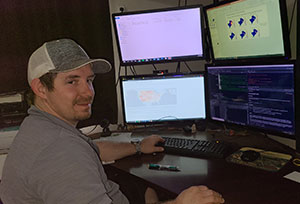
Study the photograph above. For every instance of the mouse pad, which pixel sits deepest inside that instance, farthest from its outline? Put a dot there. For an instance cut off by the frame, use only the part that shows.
(270, 161)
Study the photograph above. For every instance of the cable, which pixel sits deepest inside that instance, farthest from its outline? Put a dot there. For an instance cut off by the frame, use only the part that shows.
(296, 162)
(167, 117)
(188, 66)
(292, 17)
(89, 132)
(119, 74)
(154, 67)
(178, 68)
(131, 70)
(134, 70)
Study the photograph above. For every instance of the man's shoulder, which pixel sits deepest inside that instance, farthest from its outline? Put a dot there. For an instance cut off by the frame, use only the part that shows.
(42, 130)
(40, 126)
(37, 134)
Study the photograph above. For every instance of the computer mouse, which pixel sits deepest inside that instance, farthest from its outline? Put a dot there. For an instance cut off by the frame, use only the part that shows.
(250, 155)
(160, 144)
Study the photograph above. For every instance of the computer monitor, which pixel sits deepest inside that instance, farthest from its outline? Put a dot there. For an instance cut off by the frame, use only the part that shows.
(259, 96)
(161, 35)
(163, 98)
(244, 29)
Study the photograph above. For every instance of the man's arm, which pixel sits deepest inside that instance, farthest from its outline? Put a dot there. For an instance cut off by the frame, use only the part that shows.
(110, 151)
(198, 195)
(195, 195)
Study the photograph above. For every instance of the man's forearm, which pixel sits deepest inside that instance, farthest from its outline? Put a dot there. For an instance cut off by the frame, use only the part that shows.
(110, 151)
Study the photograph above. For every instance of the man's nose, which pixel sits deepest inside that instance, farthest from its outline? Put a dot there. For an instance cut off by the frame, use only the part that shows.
(87, 89)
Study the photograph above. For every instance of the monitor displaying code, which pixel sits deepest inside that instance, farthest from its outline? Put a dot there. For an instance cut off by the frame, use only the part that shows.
(261, 96)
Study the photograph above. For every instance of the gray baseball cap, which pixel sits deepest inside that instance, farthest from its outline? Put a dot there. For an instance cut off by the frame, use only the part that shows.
(62, 55)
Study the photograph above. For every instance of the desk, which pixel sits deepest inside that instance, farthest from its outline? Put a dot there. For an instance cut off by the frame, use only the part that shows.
(238, 184)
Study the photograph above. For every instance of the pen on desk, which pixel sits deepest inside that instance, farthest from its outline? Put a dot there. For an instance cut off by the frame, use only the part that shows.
(163, 167)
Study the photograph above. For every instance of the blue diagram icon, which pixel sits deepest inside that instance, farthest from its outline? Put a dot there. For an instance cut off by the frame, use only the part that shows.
(252, 19)
(241, 21)
(230, 24)
(243, 34)
(232, 36)
(254, 32)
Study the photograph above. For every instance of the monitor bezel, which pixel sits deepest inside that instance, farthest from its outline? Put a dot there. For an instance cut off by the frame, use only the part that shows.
(285, 35)
(163, 122)
(249, 127)
(177, 59)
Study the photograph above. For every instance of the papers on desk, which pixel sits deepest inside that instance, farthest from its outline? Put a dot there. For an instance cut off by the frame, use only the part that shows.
(2, 160)
(268, 160)
(294, 176)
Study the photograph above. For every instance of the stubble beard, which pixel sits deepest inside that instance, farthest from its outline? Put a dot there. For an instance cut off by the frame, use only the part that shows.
(85, 114)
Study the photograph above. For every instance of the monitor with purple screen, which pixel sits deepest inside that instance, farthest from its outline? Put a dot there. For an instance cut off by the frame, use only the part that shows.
(260, 96)
(156, 36)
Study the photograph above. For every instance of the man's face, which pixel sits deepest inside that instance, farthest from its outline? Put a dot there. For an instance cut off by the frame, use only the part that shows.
(72, 96)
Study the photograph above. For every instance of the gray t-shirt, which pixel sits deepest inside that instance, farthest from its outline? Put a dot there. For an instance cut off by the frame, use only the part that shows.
(52, 162)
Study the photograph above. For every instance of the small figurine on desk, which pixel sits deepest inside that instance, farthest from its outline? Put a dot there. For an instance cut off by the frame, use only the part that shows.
(190, 129)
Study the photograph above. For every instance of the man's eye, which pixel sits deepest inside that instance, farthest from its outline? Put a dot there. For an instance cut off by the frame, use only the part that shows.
(71, 82)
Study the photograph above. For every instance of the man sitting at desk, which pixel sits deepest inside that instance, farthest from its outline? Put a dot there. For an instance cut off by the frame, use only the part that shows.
(50, 161)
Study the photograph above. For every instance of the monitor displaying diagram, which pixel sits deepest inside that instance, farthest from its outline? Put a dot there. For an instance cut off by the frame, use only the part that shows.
(247, 29)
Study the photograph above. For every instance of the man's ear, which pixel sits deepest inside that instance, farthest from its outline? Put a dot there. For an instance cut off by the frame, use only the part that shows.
(38, 88)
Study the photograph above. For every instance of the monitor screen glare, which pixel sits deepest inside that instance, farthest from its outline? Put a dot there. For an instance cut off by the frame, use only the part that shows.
(260, 96)
(247, 29)
(154, 99)
(159, 36)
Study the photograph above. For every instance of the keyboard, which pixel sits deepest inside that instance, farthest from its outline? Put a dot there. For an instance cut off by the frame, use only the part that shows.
(195, 148)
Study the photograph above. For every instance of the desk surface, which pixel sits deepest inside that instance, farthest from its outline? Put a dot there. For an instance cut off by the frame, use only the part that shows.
(238, 184)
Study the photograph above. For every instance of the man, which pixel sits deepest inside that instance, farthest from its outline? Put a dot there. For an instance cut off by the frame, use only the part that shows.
(50, 161)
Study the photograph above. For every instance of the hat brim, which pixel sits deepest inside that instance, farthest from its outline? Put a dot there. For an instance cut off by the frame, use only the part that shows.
(99, 66)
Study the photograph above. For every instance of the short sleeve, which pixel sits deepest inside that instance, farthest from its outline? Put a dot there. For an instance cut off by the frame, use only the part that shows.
(71, 172)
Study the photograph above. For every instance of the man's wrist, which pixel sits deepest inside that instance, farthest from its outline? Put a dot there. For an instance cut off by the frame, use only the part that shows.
(137, 144)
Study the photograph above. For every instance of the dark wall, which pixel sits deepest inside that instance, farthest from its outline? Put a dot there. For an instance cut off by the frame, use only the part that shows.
(298, 31)
(26, 25)
(298, 76)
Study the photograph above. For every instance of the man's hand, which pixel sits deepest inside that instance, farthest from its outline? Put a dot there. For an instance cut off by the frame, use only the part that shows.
(198, 195)
(148, 144)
